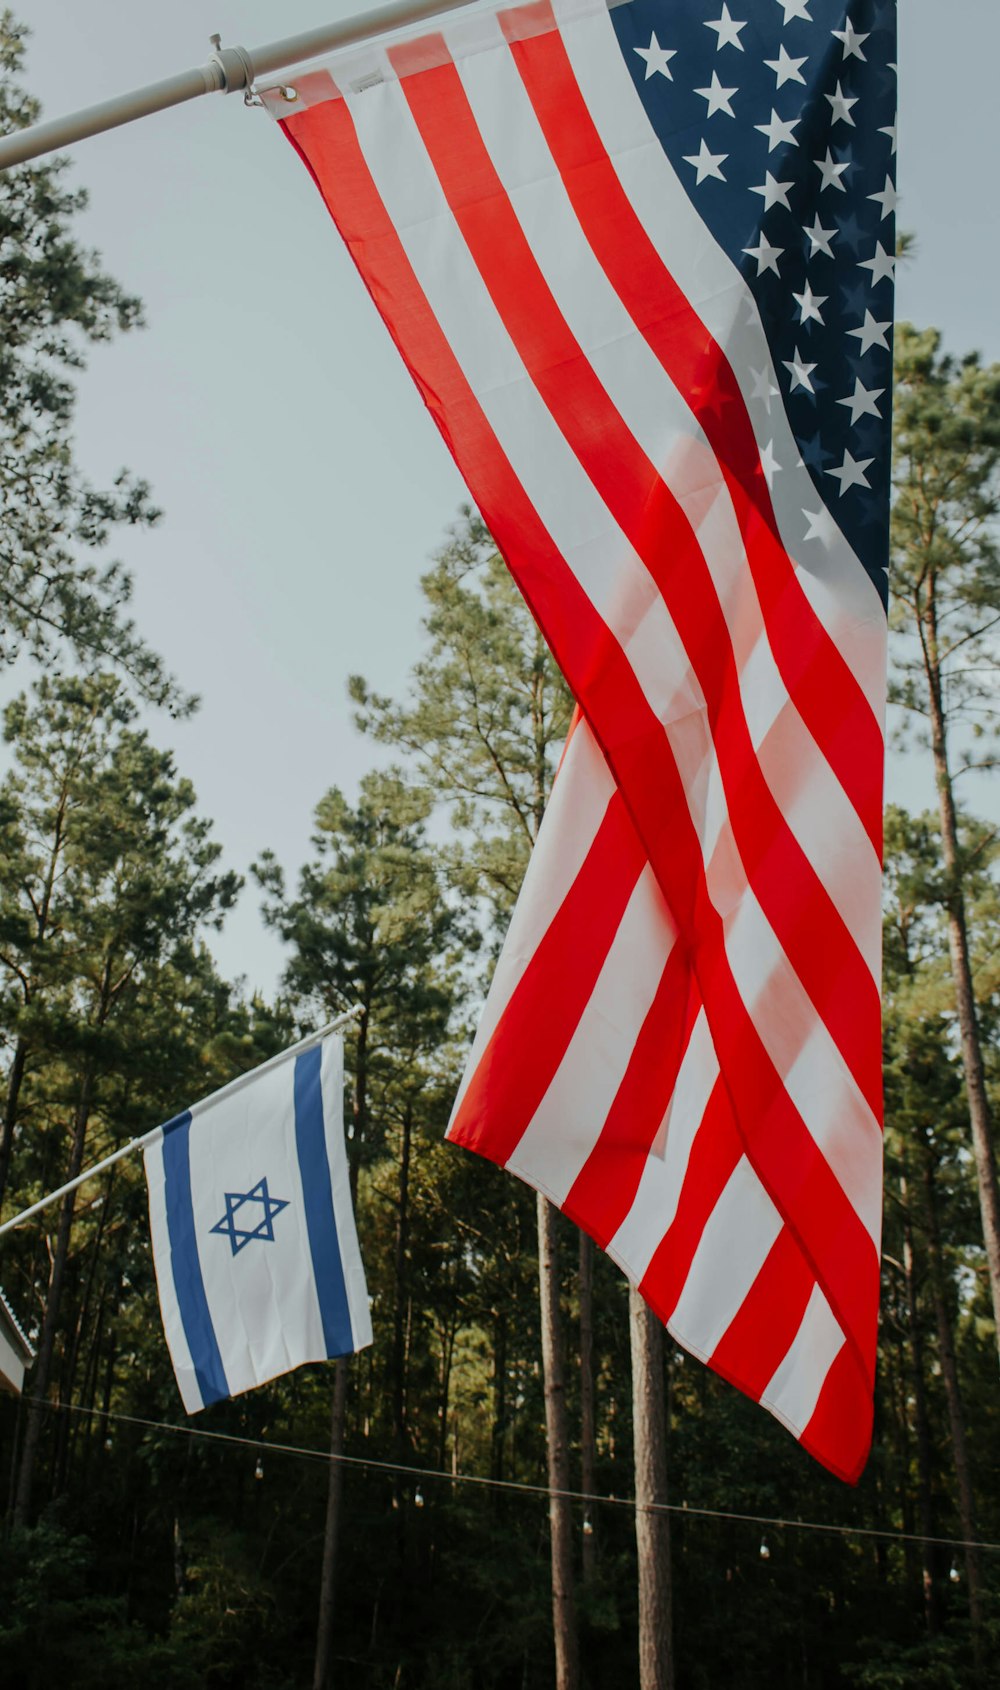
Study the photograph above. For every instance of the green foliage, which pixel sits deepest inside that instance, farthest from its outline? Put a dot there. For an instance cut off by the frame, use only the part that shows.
(57, 1626)
(108, 878)
(174, 1560)
(937, 1663)
(487, 714)
(55, 300)
(945, 557)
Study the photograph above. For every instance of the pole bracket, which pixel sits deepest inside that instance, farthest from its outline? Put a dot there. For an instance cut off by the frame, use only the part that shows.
(237, 70)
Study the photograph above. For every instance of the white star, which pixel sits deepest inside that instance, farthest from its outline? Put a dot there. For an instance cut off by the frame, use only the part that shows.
(765, 254)
(831, 172)
(786, 69)
(778, 132)
(657, 59)
(890, 130)
(871, 333)
(769, 464)
(821, 526)
(795, 9)
(842, 104)
(882, 265)
(763, 388)
(727, 31)
(852, 48)
(799, 371)
(717, 97)
(862, 401)
(775, 193)
(706, 163)
(887, 199)
(852, 473)
(809, 305)
(820, 238)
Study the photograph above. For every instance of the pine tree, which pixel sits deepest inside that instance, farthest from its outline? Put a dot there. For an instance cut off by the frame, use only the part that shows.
(946, 585)
(370, 927)
(55, 300)
(486, 719)
(106, 836)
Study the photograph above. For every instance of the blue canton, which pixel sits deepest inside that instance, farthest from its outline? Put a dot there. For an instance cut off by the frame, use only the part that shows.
(779, 119)
(257, 1221)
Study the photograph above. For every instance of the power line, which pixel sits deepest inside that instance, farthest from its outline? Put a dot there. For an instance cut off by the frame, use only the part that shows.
(427, 1474)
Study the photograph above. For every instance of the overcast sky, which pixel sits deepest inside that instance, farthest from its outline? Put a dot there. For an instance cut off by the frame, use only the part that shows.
(303, 483)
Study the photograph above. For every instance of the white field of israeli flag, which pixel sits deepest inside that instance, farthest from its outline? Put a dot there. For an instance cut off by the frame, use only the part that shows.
(254, 1241)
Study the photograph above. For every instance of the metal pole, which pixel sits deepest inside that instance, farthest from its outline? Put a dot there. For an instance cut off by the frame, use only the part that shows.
(229, 70)
(140, 1143)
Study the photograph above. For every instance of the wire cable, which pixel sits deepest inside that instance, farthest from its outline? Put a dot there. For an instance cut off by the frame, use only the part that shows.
(263, 1446)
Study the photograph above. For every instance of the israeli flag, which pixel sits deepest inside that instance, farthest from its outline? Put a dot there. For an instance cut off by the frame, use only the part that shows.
(253, 1233)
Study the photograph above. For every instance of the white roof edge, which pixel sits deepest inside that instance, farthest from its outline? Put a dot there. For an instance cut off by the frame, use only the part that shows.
(10, 1319)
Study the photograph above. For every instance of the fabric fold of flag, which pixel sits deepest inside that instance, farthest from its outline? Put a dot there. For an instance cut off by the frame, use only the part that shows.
(638, 260)
(254, 1241)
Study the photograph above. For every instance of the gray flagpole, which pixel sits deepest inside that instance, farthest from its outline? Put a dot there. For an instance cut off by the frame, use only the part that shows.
(140, 1143)
(230, 70)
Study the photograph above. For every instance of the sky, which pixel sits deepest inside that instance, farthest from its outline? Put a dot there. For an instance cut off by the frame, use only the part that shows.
(303, 483)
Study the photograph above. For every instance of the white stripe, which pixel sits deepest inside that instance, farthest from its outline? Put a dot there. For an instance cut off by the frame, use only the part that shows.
(159, 1232)
(613, 577)
(655, 1203)
(817, 811)
(550, 474)
(738, 1237)
(831, 576)
(566, 1126)
(592, 543)
(573, 816)
(793, 1392)
(262, 1300)
(814, 1072)
(332, 1087)
(835, 582)
(667, 432)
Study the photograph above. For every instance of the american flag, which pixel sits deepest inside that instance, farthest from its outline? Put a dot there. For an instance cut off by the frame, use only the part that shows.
(639, 261)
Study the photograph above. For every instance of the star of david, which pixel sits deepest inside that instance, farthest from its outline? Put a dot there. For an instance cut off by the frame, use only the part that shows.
(241, 1235)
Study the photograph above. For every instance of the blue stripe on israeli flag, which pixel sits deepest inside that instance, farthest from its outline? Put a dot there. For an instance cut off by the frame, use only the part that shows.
(253, 1232)
(188, 1285)
(314, 1164)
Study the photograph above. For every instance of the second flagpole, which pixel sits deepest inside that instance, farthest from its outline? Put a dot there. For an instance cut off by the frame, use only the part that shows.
(147, 1138)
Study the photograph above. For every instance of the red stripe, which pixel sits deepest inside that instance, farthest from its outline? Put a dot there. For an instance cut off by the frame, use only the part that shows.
(757, 1340)
(632, 739)
(797, 904)
(716, 1150)
(840, 1431)
(818, 679)
(517, 1067)
(604, 1190)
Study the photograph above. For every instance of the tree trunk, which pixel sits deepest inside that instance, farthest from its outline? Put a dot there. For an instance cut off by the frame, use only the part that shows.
(587, 1432)
(331, 1532)
(46, 1344)
(961, 969)
(338, 1415)
(444, 1402)
(499, 1429)
(953, 1397)
(652, 1528)
(560, 1512)
(924, 1458)
(399, 1266)
(15, 1079)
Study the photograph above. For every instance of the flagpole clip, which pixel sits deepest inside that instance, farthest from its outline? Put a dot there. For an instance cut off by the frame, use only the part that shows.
(236, 67)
